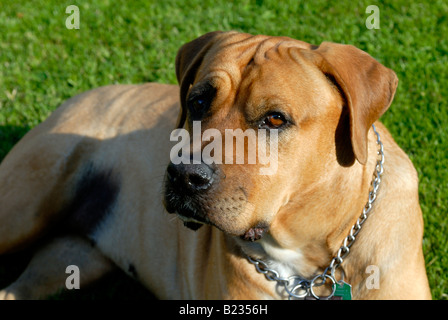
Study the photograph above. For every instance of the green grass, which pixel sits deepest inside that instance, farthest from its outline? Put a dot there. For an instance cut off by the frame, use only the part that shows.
(42, 63)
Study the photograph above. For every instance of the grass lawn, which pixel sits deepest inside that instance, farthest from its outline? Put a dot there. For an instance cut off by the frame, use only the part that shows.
(42, 63)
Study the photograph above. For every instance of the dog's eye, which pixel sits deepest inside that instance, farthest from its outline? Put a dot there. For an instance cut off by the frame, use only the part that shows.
(274, 120)
(200, 100)
(198, 104)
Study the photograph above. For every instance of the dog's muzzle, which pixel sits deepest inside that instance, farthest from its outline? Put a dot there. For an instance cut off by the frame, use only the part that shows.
(187, 187)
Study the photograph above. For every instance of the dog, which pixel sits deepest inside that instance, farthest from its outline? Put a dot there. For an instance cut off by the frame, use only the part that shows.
(93, 185)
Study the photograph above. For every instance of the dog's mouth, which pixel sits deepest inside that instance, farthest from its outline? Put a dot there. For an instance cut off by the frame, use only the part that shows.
(201, 208)
(193, 219)
(252, 234)
(185, 210)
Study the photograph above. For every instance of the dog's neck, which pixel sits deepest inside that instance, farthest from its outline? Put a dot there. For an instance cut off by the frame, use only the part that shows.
(310, 228)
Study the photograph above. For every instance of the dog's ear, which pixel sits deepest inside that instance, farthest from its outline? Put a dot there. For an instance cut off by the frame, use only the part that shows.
(367, 86)
(188, 60)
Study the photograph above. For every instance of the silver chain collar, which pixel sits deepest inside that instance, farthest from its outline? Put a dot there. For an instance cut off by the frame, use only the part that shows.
(297, 287)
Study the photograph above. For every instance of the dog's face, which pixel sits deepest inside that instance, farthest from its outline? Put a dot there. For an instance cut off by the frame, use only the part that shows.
(301, 95)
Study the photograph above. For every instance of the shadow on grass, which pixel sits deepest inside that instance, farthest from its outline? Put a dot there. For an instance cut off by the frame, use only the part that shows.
(11, 265)
(9, 136)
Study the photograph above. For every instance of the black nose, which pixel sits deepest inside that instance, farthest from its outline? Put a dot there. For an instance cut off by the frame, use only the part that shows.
(193, 177)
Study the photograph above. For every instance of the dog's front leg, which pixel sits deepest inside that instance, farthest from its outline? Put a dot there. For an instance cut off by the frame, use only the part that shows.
(56, 266)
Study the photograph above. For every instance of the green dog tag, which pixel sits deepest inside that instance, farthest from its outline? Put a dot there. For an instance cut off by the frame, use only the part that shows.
(343, 290)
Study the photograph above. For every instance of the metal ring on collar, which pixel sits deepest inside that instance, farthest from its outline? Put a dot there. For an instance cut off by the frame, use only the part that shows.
(302, 285)
(323, 277)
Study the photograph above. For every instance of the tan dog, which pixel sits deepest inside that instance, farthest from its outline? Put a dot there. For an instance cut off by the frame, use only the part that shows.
(88, 183)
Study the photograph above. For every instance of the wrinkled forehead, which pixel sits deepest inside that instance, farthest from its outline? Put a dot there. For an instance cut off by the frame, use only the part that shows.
(230, 55)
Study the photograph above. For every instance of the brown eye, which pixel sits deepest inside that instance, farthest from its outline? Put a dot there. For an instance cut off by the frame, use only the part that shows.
(274, 120)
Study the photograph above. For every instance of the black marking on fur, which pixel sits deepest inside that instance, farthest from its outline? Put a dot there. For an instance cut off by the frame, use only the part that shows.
(95, 196)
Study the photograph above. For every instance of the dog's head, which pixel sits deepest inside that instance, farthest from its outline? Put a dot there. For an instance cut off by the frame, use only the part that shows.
(320, 101)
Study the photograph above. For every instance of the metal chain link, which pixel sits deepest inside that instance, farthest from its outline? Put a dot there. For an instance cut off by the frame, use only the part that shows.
(297, 287)
(291, 284)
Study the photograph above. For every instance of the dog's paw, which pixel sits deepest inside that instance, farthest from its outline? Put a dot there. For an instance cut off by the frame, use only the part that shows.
(6, 295)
